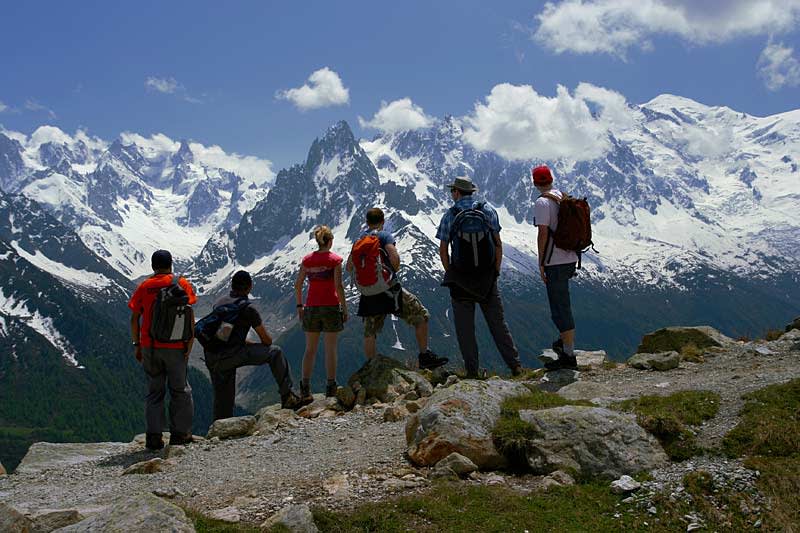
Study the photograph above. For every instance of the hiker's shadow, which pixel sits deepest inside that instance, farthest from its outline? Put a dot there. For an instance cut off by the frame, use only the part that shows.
(125, 460)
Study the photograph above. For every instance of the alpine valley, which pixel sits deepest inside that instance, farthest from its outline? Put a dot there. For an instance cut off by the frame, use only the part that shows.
(695, 218)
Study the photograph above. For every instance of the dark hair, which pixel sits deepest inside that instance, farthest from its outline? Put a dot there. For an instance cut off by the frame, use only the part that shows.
(241, 281)
(374, 216)
(161, 260)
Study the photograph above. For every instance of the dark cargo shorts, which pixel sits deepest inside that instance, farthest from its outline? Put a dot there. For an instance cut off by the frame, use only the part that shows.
(412, 312)
(558, 277)
(326, 319)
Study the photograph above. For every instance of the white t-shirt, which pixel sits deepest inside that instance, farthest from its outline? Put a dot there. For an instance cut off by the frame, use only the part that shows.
(545, 212)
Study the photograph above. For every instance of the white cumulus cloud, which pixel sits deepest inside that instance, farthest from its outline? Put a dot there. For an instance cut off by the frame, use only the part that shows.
(614, 26)
(324, 89)
(779, 67)
(36, 107)
(399, 115)
(162, 85)
(520, 124)
(247, 166)
(3, 107)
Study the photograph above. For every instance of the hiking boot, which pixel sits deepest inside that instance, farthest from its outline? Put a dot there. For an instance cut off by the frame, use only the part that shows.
(330, 389)
(517, 370)
(180, 439)
(564, 361)
(305, 393)
(154, 442)
(291, 401)
(429, 360)
(480, 374)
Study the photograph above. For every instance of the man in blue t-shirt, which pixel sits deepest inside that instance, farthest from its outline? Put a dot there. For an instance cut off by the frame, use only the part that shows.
(396, 300)
(468, 289)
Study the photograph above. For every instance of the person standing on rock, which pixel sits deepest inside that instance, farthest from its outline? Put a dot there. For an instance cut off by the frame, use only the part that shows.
(223, 357)
(374, 263)
(556, 267)
(472, 253)
(325, 310)
(164, 361)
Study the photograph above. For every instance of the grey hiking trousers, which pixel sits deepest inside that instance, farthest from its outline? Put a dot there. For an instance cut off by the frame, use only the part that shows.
(464, 318)
(167, 368)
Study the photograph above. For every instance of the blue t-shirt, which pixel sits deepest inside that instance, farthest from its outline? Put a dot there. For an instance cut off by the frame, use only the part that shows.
(443, 233)
(384, 237)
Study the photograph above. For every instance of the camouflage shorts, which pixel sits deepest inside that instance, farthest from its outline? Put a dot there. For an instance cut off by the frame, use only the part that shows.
(412, 312)
(324, 318)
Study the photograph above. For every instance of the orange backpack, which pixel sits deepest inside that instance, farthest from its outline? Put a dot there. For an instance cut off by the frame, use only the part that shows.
(372, 273)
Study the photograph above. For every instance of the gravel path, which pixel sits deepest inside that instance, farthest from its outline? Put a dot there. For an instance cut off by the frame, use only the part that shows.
(340, 462)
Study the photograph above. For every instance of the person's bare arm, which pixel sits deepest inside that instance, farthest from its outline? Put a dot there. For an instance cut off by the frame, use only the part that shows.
(337, 278)
(444, 255)
(263, 335)
(498, 251)
(394, 257)
(541, 242)
(135, 334)
(298, 291)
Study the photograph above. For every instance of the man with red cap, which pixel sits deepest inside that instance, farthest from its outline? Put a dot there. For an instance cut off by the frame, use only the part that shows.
(556, 267)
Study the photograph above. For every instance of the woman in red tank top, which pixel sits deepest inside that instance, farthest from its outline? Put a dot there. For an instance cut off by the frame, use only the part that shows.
(325, 310)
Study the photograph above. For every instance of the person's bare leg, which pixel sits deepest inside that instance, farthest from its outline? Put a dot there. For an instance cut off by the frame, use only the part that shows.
(421, 332)
(312, 341)
(568, 338)
(330, 355)
(370, 347)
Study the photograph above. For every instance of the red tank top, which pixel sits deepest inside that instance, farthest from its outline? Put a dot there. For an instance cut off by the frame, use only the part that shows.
(319, 267)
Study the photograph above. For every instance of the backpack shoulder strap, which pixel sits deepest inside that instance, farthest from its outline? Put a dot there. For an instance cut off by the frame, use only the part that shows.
(553, 197)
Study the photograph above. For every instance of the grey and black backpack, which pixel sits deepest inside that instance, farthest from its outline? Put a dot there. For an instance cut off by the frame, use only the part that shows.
(173, 317)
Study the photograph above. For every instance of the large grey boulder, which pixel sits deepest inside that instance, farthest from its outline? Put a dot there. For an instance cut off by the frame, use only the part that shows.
(655, 361)
(269, 419)
(232, 428)
(53, 519)
(460, 419)
(386, 379)
(680, 337)
(295, 518)
(12, 521)
(43, 456)
(589, 390)
(143, 512)
(591, 441)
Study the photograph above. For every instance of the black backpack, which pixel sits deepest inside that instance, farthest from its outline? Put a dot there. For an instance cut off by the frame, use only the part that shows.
(172, 316)
(472, 241)
(215, 328)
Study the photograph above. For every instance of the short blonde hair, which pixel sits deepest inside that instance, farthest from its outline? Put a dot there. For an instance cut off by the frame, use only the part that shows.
(323, 235)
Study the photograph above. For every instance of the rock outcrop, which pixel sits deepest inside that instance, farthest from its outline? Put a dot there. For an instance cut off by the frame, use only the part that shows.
(676, 339)
(460, 419)
(591, 441)
(385, 379)
(794, 324)
(294, 518)
(12, 521)
(43, 456)
(143, 512)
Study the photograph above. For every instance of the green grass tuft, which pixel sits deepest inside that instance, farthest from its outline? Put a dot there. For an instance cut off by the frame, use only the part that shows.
(666, 418)
(698, 483)
(204, 524)
(770, 423)
(666, 340)
(773, 334)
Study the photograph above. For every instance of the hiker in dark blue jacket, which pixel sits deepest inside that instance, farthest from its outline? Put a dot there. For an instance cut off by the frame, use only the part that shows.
(223, 358)
(471, 273)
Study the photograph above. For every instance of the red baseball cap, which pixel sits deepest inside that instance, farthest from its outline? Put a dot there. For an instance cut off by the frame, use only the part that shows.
(541, 175)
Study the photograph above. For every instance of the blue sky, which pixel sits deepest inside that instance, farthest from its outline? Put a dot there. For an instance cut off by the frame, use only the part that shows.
(220, 65)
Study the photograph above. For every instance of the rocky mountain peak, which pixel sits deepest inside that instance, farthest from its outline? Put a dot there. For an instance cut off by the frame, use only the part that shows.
(184, 154)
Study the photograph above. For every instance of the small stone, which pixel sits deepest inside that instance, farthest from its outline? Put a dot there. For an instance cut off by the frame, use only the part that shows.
(757, 524)
(413, 406)
(652, 510)
(346, 396)
(443, 472)
(451, 380)
(51, 519)
(231, 515)
(337, 486)
(655, 361)
(169, 493)
(411, 396)
(394, 414)
(629, 499)
(495, 479)
(295, 518)
(694, 526)
(232, 428)
(625, 485)
(562, 478)
(459, 464)
(146, 467)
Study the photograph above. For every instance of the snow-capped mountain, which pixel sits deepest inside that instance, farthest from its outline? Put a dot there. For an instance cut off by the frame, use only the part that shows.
(133, 195)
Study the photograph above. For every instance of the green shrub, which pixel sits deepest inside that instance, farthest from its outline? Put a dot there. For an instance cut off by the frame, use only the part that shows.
(666, 418)
(770, 423)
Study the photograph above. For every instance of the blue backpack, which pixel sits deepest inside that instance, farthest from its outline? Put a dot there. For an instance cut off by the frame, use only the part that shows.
(472, 241)
(215, 328)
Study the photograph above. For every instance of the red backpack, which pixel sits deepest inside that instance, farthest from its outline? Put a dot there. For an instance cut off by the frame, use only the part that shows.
(372, 273)
(574, 230)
